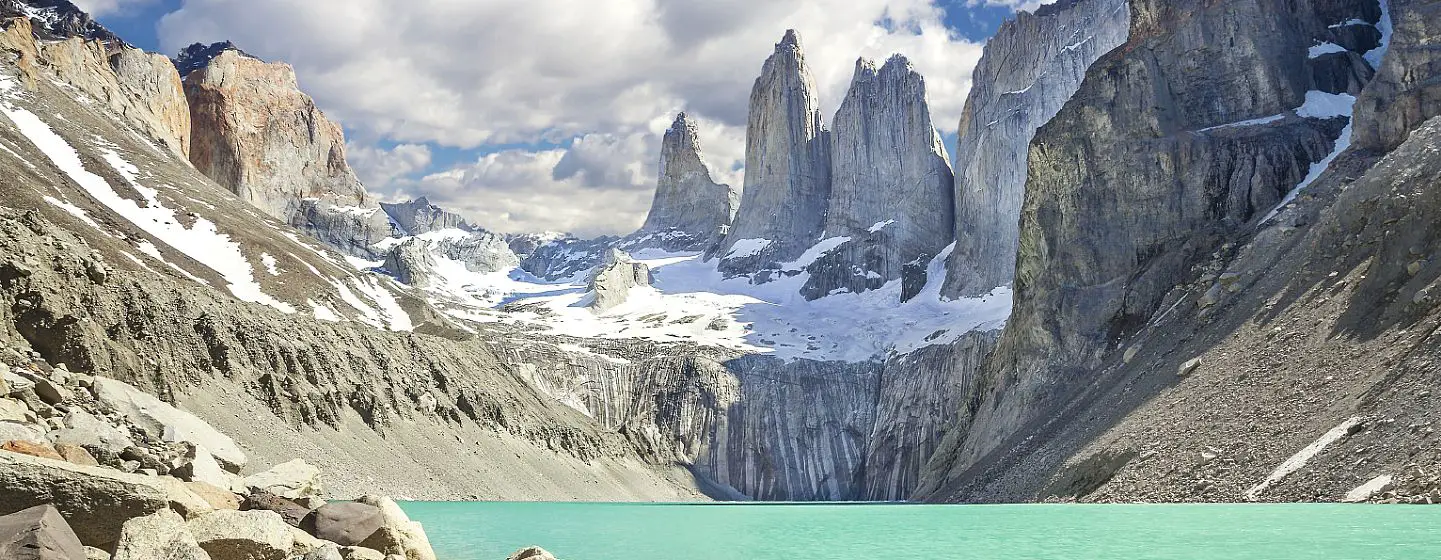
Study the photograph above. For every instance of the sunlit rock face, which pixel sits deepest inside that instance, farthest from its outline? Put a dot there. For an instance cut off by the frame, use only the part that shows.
(257, 134)
(1030, 68)
(891, 191)
(690, 212)
(787, 175)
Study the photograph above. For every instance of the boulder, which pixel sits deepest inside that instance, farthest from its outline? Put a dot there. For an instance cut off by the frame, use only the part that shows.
(162, 535)
(305, 543)
(92, 553)
(532, 553)
(38, 533)
(76, 454)
(293, 480)
(85, 429)
(398, 535)
(12, 410)
(201, 466)
(347, 523)
(218, 498)
(293, 514)
(243, 535)
(33, 449)
(360, 553)
(15, 383)
(95, 500)
(167, 422)
(18, 431)
(51, 392)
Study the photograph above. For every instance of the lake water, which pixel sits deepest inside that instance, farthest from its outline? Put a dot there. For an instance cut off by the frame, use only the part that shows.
(587, 531)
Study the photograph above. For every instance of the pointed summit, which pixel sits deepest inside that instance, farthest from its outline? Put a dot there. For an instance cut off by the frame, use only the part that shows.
(690, 210)
(892, 182)
(787, 167)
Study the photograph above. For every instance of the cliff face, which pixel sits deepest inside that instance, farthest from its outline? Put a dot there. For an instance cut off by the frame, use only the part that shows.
(891, 193)
(257, 134)
(138, 87)
(1172, 274)
(420, 216)
(787, 175)
(690, 211)
(1031, 67)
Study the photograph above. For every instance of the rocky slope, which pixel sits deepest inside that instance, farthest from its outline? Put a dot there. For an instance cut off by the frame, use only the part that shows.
(130, 264)
(690, 212)
(1030, 68)
(787, 173)
(1226, 337)
(891, 197)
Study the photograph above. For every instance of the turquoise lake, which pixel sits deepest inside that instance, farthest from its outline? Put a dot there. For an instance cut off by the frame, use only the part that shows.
(589, 531)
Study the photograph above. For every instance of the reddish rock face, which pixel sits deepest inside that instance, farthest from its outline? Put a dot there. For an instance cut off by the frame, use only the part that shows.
(32, 449)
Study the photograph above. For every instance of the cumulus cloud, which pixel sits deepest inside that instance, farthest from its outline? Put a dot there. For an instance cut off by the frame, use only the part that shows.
(603, 78)
(380, 168)
(98, 8)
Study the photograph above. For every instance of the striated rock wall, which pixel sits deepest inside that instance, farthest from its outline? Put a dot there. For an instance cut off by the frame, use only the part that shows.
(1030, 68)
(1405, 92)
(258, 135)
(891, 191)
(420, 216)
(787, 180)
(1175, 147)
(690, 211)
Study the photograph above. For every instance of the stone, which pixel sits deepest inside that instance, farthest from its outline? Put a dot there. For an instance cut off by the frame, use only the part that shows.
(218, 498)
(360, 553)
(532, 553)
(255, 133)
(787, 170)
(201, 466)
(50, 392)
(92, 553)
(16, 383)
(327, 551)
(292, 480)
(892, 186)
(1029, 69)
(33, 449)
(162, 535)
(610, 285)
(347, 523)
(305, 543)
(419, 216)
(76, 454)
(398, 535)
(690, 211)
(1189, 367)
(21, 431)
(38, 533)
(167, 422)
(95, 500)
(294, 514)
(85, 429)
(243, 535)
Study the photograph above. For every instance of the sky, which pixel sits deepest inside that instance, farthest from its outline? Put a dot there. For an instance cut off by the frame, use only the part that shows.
(547, 115)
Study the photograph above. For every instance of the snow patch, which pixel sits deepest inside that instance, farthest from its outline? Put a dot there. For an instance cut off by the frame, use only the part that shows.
(270, 264)
(324, 312)
(747, 248)
(880, 226)
(1384, 25)
(1323, 49)
(201, 243)
(1299, 460)
(816, 252)
(1322, 105)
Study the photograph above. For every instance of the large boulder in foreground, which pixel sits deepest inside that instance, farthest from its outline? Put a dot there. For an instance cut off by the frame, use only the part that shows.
(347, 523)
(159, 536)
(38, 533)
(95, 500)
(293, 480)
(167, 422)
(243, 535)
(398, 535)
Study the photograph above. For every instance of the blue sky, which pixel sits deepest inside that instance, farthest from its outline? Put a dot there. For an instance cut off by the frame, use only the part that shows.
(479, 122)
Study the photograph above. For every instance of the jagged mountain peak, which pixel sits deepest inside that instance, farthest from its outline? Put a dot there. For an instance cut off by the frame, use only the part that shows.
(58, 20)
(198, 55)
(790, 42)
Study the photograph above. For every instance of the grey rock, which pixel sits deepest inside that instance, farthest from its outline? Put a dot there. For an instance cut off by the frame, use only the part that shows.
(690, 211)
(162, 535)
(420, 216)
(85, 429)
(167, 422)
(559, 258)
(891, 190)
(532, 553)
(347, 523)
(292, 513)
(1404, 93)
(610, 284)
(38, 533)
(1029, 69)
(292, 480)
(398, 535)
(22, 431)
(787, 173)
(243, 535)
(352, 230)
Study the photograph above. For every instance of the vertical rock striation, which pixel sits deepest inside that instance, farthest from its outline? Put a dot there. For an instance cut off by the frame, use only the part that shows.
(1030, 68)
(787, 175)
(1174, 144)
(891, 192)
(690, 211)
(257, 134)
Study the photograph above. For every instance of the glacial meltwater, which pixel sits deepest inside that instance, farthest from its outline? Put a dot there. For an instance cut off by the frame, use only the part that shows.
(604, 531)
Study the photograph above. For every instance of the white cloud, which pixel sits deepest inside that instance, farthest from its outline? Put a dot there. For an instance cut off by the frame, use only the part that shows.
(379, 168)
(98, 8)
(495, 72)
